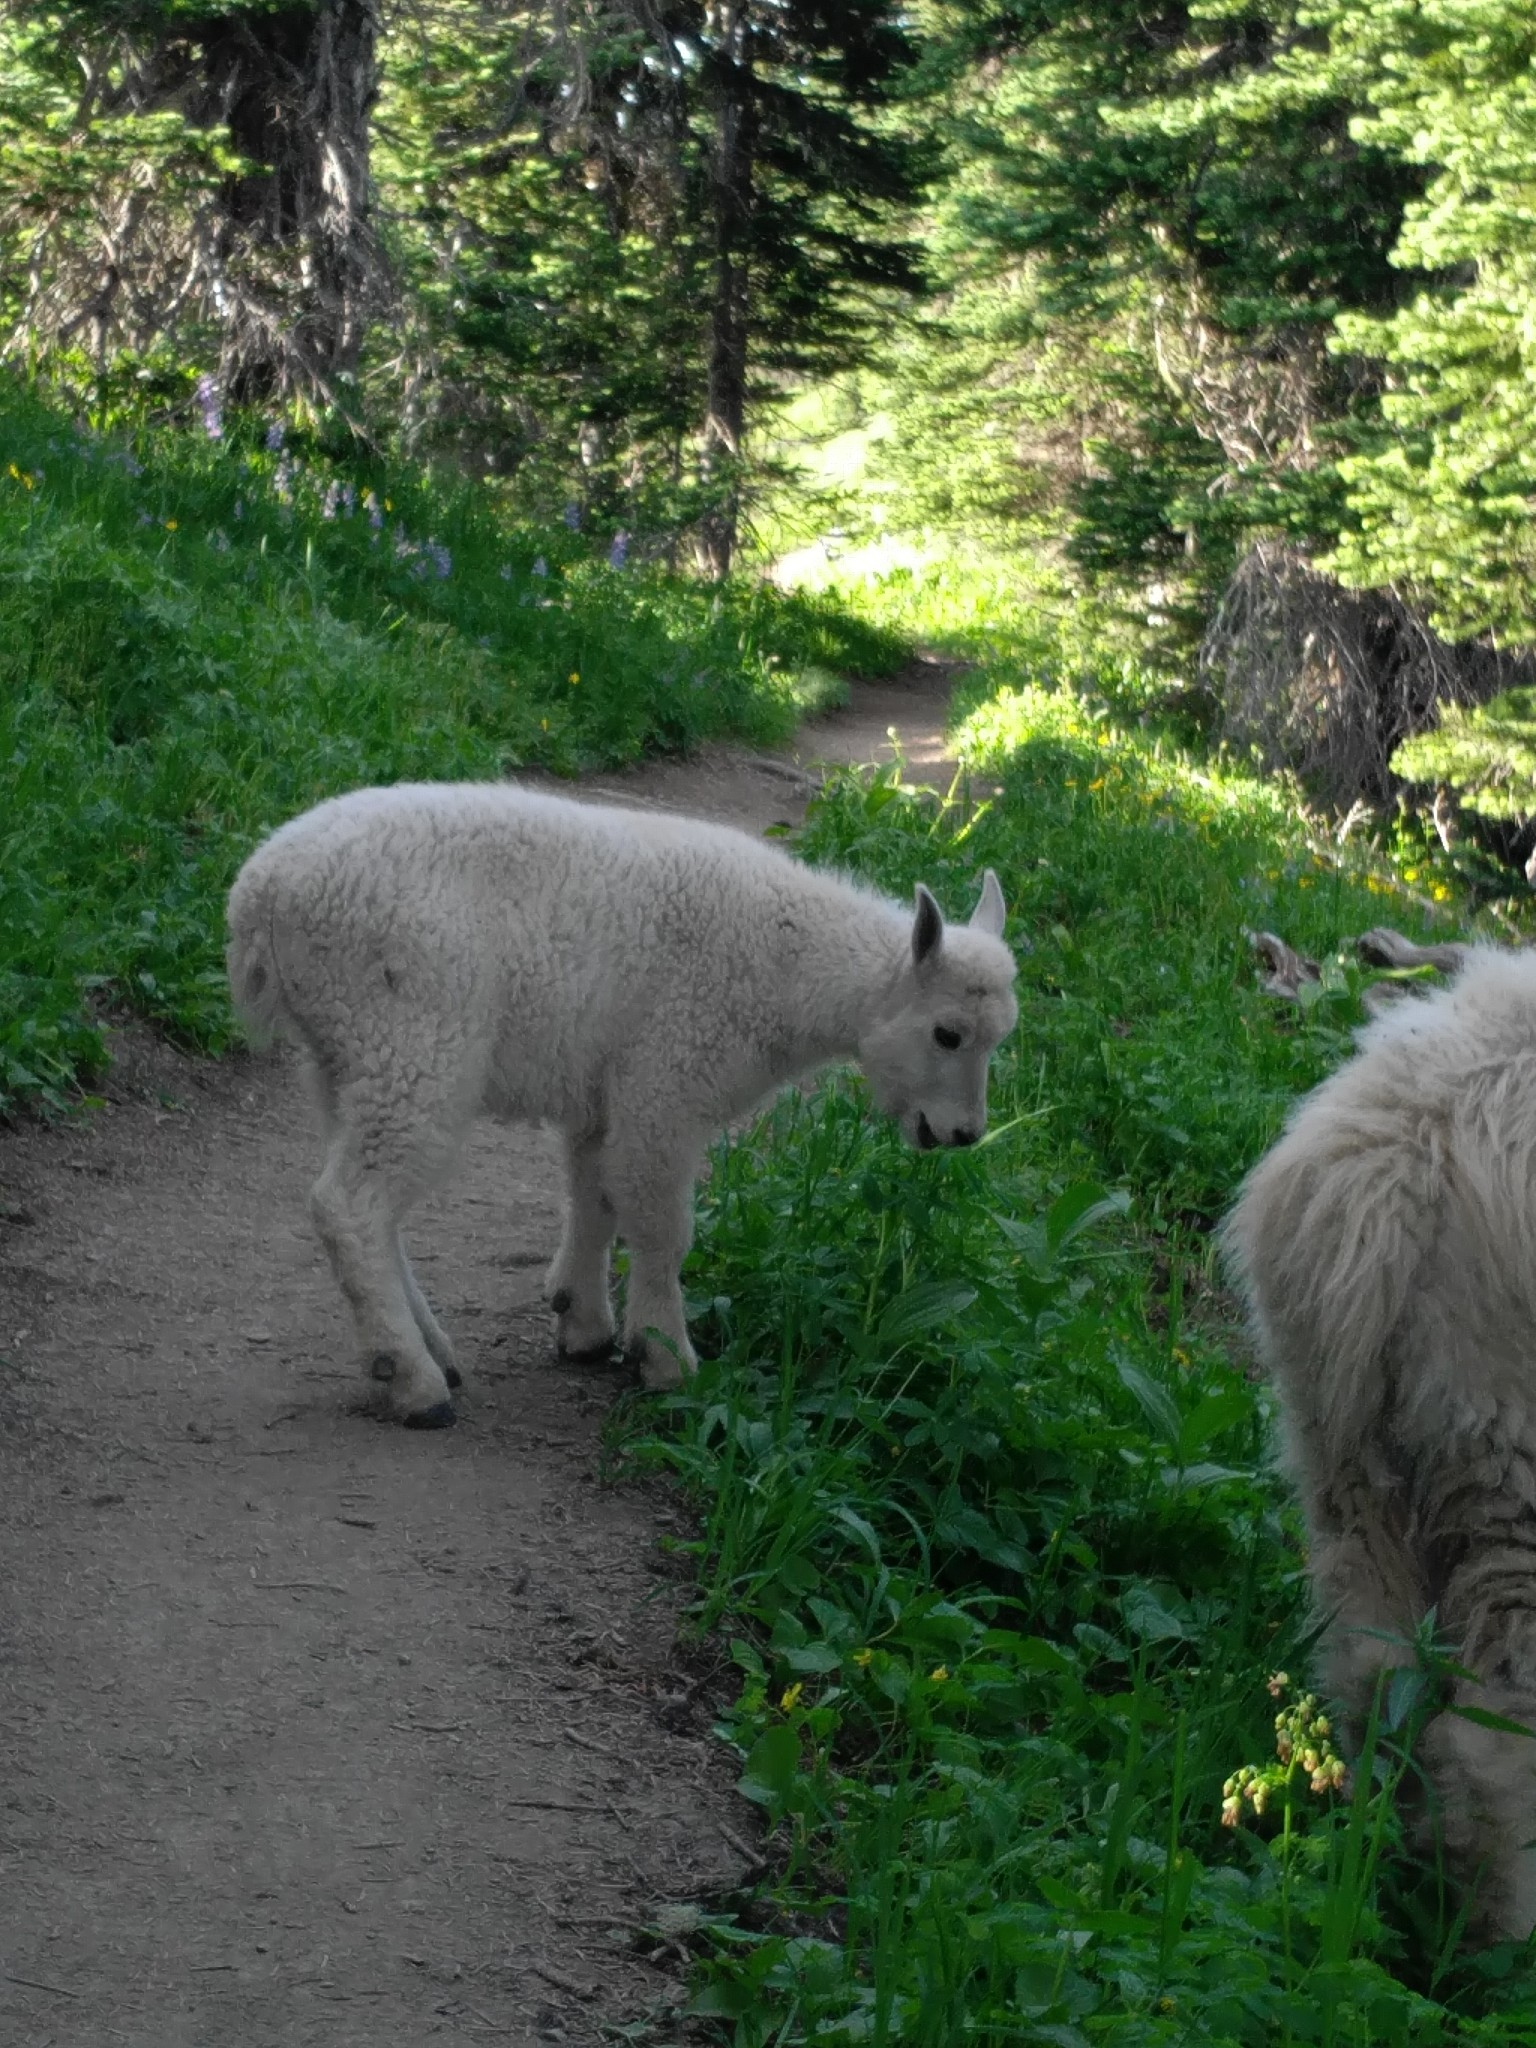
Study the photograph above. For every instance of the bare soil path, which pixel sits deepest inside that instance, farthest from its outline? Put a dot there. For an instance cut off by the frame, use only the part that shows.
(312, 1729)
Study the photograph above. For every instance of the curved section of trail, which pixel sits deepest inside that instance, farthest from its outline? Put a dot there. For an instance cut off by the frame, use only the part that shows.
(312, 1729)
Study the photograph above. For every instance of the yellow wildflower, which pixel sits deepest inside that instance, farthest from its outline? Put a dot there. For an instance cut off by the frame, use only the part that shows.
(171, 525)
(939, 1673)
(576, 678)
(862, 1658)
(791, 1698)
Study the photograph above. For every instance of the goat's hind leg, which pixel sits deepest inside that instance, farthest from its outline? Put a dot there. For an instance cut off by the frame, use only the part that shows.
(578, 1279)
(653, 1196)
(1485, 1778)
(433, 1335)
(377, 1166)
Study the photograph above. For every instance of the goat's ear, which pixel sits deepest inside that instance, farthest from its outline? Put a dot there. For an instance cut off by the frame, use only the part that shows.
(991, 911)
(927, 928)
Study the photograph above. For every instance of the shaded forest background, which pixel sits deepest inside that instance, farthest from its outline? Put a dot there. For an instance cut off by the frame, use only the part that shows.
(1216, 319)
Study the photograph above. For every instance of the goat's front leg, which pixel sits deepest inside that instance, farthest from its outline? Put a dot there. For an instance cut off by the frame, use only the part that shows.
(578, 1279)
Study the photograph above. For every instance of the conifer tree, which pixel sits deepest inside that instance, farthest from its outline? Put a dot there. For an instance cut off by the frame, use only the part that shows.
(1440, 499)
(167, 167)
(1174, 206)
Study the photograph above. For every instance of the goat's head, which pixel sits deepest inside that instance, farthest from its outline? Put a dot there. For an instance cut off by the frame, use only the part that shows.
(927, 1053)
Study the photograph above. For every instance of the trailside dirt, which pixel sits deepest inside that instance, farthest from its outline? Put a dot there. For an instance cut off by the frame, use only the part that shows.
(314, 1729)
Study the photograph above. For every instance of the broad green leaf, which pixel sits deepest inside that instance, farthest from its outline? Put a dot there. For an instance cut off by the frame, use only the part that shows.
(768, 1776)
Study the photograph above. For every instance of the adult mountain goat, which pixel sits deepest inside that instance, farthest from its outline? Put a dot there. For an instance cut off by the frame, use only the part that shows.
(1387, 1246)
(444, 950)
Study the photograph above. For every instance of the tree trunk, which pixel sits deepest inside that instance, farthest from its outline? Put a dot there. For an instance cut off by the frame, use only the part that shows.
(732, 186)
(295, 88)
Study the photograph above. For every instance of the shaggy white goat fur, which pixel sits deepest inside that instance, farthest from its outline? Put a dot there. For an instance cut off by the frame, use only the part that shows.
(1387, 1246)
(637, 979)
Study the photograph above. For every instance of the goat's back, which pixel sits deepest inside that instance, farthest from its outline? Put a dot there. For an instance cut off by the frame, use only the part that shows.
(1386, 1243)
(544, 936)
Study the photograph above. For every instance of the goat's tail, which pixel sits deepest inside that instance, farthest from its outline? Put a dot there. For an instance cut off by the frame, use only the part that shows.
(255, 978)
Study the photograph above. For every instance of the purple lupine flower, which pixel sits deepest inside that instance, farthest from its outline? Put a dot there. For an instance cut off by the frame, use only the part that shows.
(374, 510)
(505, 572)
(209, 406)
(442, 561)
(239, 508)
(404, 545)
(348, 500)
(282, 478)
(331, 499)
(618, 551)
(572, 517)
(540, 566)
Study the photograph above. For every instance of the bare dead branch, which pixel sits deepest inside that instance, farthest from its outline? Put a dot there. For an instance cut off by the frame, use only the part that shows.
(1383, 947)
(1327, 681)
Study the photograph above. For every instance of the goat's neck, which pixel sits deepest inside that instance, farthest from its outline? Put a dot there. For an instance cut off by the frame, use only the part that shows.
(852, 964)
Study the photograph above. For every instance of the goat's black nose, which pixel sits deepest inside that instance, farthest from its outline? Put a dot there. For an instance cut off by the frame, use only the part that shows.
(965, 1136)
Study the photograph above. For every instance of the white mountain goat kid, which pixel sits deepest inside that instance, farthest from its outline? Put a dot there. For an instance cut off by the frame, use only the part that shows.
(440, 951)
(1387, 1246)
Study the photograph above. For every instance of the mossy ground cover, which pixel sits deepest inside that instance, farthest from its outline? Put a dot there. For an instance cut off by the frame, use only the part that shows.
(202, 634)
(987, 1509)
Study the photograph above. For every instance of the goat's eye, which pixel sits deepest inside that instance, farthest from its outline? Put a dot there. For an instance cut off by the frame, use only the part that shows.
(942, 1035)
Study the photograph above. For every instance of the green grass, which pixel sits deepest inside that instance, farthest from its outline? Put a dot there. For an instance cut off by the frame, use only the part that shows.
(200, 638)
(984, 1487)
(985, 1503)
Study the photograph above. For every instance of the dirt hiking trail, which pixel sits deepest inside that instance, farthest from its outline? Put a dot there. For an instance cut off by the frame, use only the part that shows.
(314, 1729)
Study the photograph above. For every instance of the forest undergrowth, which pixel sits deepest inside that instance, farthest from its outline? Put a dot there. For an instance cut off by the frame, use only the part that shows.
(986, 1504)
(203, 633)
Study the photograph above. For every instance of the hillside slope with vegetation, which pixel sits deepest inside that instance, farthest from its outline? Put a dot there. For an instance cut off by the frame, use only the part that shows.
(202, 634)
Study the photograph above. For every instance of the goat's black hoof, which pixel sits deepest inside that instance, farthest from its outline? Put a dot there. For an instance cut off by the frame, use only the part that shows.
(439, 1416)
(453, 1376)
(587, 1354)
(560, 1300)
